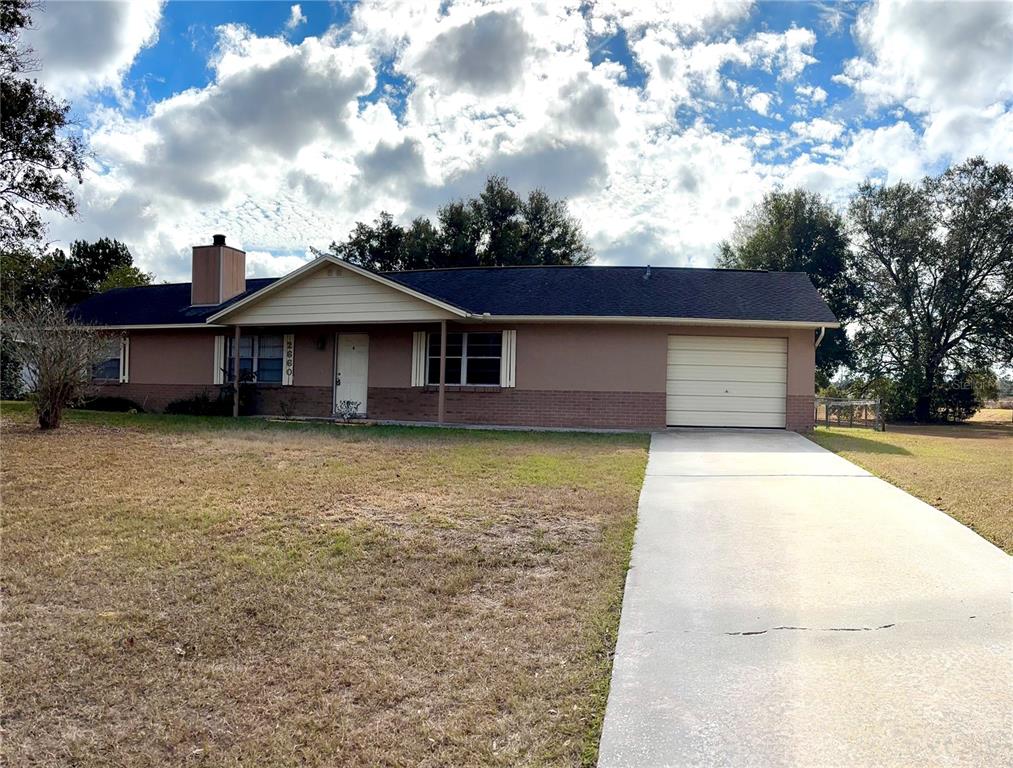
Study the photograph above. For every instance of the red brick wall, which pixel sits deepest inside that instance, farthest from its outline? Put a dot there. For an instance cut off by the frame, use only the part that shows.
(799, 413)
(493, 406)
(518, 407)
(154, 397)
(276, 400)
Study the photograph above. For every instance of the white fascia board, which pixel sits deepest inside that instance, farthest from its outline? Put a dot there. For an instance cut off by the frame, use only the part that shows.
(320, 262)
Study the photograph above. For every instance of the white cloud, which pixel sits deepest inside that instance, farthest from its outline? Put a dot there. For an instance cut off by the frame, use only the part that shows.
(817, 130)
(813, 93)
(295, 17)
(760, 103)
(88, 46)
(931, 56)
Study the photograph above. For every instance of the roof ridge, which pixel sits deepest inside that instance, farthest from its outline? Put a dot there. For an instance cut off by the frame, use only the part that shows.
(570, 266)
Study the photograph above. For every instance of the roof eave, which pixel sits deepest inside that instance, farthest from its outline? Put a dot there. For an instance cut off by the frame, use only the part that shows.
(656, 320)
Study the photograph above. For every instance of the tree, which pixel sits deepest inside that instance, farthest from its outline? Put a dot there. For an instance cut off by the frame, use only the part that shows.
(127, 276)
(935, 261)
(57, 354)
(30, 277)
(79, 275)
(549, 234)
(38, 156)
(497, 228)
(799, 231)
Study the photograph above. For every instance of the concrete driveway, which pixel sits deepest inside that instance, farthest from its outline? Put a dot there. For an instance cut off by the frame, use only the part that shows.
(784, 607)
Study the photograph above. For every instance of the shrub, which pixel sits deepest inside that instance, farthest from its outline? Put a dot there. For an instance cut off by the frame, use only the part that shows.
(109, 403)
(201, 404)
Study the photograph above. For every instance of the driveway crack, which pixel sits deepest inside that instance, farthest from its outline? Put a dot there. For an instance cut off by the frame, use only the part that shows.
(811, 629)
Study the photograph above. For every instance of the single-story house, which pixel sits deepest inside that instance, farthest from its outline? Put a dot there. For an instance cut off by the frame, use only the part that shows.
(607, 347)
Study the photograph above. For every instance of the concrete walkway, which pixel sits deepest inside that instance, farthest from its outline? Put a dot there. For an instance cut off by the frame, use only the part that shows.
(784, 607)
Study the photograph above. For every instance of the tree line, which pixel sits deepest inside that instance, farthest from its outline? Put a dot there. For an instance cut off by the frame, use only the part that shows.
(498, 228)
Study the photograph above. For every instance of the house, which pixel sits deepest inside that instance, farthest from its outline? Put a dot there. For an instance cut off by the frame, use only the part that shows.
(609, 347)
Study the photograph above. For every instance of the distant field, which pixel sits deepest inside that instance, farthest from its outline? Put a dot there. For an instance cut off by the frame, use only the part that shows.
(966, 470)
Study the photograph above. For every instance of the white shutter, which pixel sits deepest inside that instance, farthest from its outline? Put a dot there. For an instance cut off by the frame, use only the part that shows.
(288, 363)
(219, 377)
(419, 353)
(124, 359)
(508, 360)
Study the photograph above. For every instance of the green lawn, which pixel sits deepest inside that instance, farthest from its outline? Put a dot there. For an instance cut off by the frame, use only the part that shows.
(196, 591)
(966, 470)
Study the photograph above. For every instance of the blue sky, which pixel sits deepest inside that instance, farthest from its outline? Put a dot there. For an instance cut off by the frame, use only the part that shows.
(282, 124)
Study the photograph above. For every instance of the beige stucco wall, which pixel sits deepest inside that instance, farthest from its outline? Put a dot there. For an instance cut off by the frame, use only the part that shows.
(632, 358)
(172, 357)
(550, 357)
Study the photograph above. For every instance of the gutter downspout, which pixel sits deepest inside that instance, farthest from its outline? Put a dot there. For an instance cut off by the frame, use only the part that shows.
(819, 339)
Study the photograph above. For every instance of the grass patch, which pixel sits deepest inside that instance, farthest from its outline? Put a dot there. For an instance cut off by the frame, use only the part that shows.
(963, 469)
(180, 590)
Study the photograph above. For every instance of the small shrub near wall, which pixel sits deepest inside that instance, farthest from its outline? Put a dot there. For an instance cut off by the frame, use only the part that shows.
(202, 404)
(106, 403)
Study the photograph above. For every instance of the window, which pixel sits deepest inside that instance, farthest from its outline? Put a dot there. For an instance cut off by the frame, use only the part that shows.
(259, 357)
(108, 368)
(472, 358)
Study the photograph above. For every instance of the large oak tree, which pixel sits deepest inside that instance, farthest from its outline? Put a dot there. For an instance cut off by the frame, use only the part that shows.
(935, 264)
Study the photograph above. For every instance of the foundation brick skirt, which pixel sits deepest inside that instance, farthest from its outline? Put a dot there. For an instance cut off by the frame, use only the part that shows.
(522, 408)
(154, 397)
(799, 413)
(468, 405)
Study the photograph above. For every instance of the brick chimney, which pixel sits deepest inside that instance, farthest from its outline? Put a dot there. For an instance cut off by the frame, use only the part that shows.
(219, 272)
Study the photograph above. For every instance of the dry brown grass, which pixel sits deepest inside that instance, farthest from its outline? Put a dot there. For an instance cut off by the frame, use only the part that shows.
(312, 598)
(966, 470)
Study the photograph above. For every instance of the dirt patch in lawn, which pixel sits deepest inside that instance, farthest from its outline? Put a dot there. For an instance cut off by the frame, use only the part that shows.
(276, 597)
(963, 469)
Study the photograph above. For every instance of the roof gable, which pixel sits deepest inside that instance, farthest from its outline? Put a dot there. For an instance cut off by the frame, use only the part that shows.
(329, 290)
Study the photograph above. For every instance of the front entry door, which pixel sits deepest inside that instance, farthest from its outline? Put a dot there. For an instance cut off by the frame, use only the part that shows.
(351, 365)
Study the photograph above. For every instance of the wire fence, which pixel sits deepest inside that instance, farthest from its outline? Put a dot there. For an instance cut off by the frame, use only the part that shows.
(839, 412)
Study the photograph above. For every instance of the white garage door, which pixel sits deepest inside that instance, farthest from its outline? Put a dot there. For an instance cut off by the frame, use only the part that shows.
(719, 381)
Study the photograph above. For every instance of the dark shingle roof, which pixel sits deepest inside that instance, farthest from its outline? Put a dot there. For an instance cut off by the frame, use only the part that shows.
(165, 304)
(707, 294)
(683, 292)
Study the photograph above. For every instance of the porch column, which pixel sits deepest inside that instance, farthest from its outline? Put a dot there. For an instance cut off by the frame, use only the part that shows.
(235, 374)
(441, 408)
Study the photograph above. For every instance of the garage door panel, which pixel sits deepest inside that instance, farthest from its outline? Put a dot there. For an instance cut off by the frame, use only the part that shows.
(723, 419)
(723, 373)
(737, 358)
(727, 388)
(715, 381)
(726, 343)
(726, 403)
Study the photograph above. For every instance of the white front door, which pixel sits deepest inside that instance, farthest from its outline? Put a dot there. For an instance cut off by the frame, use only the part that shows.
(351, 366)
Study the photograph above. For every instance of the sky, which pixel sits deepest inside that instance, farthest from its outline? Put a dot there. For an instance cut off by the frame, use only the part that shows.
(280, 125)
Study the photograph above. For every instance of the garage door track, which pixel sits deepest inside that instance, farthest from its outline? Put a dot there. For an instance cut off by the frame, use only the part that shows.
(784, 607)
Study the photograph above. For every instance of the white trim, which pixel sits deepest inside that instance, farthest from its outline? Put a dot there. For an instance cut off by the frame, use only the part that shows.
(287, 359)
(124, 359)
(219, 370)
(420, 351)
(508, 360)
(322, 261)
